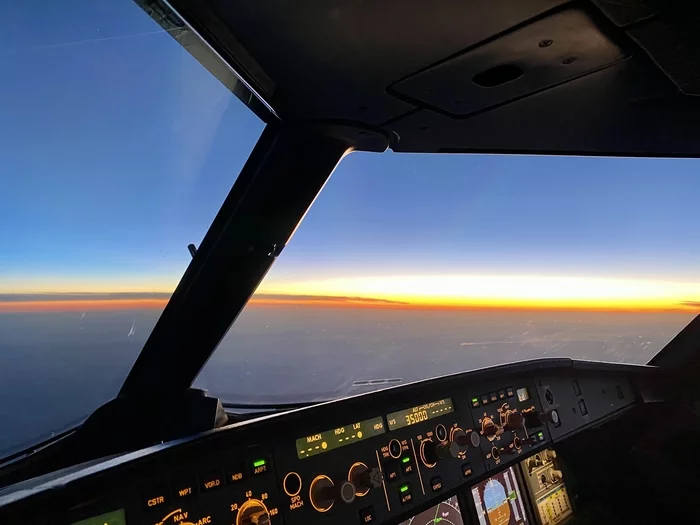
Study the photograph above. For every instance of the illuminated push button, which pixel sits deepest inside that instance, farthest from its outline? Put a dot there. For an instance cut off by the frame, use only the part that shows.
(184, 488)
(484, 399)
(405, 494)
(493, 397)
(367, 515)
(436, 484)
(211, 481)
(391, 471)
(235, 473)
(155, 498)
(292, 484)
(259, 466)
(407, 466)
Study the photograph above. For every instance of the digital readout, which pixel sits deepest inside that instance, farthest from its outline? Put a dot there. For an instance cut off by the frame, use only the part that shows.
(411, 416)
(339, 437)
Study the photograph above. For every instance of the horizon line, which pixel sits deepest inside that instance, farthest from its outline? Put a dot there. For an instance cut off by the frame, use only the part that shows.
(78, 301)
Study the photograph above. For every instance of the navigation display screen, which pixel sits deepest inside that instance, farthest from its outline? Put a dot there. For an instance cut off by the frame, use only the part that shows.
(111, 518)
(444, 513)
(499, 501)
(339, 437)
(411, 416)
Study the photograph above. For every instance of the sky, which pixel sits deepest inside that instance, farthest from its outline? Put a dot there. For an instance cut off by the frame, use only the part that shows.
(119, 148)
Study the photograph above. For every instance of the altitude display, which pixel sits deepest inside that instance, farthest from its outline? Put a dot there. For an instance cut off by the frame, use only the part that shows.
(111, 518)
(498, 500)
(411, 416)
(339, 437)
(444, 513)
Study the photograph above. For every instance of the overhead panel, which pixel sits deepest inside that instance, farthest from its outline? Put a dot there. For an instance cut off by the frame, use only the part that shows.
(546, 53)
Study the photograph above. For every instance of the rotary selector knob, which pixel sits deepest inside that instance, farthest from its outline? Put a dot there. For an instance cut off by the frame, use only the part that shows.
(514, 420)
(253, 512)
(432, 452)
(360, 476)
(323, 493)
(551, 416)
(488, 427)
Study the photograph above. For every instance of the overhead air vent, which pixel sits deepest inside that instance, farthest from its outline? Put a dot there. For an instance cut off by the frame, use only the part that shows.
(497, 76)
(559, 48)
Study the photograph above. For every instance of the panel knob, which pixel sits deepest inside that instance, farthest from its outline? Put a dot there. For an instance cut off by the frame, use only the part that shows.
(550, 416)
(360, 476)
(488, 427)
(514, 420)
(460, 438)
(532, 417)
(323, 493)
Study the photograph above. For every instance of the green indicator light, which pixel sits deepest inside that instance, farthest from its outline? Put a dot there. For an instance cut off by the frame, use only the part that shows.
(404, 488)
(259, 463)
(475, 399)
(405, 460)
(540, 434)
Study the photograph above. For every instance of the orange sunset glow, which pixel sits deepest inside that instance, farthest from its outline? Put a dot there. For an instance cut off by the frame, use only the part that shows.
(434, 292)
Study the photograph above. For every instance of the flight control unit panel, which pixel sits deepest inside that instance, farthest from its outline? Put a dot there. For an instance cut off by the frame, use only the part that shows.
(458, 446)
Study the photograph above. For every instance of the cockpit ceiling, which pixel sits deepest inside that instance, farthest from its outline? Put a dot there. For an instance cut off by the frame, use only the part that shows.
(525, 76)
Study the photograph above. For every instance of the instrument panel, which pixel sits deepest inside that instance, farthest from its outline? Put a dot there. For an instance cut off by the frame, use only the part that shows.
(373, 459)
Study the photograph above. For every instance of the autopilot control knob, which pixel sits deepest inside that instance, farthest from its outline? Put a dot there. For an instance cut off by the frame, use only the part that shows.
(488, 427)
(432, 452)
(323, 493)
(460, 438)
(532, 418)
(360, 476)
(514, 420)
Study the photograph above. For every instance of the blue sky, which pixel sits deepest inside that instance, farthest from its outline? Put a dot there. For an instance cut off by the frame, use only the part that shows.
(118, 149)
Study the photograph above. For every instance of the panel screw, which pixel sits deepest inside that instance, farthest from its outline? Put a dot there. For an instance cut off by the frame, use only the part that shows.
(568, 60)
(545, 43)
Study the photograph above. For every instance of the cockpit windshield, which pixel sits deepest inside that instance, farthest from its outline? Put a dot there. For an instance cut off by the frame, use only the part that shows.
(118, 149)
(414, 266)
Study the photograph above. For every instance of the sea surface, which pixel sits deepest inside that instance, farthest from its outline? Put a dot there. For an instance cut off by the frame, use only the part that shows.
(57, 367)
